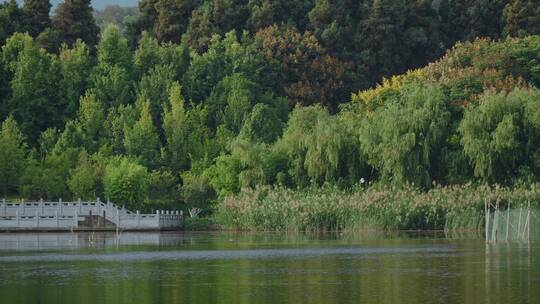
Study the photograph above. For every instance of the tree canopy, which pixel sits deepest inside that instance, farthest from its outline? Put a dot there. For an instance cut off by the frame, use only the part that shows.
(190, 101)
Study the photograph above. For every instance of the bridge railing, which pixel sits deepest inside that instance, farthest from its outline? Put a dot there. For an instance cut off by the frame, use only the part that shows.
(49, 214)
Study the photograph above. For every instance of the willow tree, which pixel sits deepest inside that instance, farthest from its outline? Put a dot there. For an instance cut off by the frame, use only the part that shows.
(403, 138)
(500, 135)
(320, 149)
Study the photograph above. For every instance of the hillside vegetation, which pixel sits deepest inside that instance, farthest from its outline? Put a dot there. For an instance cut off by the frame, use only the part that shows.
(192, 102)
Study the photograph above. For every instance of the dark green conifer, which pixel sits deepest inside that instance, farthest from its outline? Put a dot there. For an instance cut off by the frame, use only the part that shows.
(522, 18)
(36, 16)
(73, 20)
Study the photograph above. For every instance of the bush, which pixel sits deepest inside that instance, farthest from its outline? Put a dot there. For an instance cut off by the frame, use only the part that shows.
(197, 192)
(84, 180)
(126, 183)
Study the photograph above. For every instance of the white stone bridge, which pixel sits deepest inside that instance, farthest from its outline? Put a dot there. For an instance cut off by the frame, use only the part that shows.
(76, 216)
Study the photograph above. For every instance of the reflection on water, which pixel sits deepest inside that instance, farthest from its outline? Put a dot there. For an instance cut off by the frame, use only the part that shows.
(51, 241)
(263, 268)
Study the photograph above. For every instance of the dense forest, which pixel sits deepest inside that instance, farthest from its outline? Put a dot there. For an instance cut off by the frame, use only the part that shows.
(186, 102)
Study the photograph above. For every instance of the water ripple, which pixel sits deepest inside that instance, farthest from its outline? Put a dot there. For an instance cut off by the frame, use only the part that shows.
(223, 254)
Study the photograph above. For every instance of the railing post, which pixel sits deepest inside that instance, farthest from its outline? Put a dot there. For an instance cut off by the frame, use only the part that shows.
(23, 208)
(508, 219)
(487, 215)
(529, 225)
(57, 220)
(41, 205)
(138, 218)
(80, 206)
(37, 219)
(17, 218)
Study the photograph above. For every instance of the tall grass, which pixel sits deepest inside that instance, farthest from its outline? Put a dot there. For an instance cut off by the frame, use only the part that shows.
(328, 209)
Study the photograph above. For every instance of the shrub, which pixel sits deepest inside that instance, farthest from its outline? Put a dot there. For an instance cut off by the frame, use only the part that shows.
(126, 183)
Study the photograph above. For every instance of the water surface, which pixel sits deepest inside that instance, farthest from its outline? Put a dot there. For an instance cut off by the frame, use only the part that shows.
(264, 268)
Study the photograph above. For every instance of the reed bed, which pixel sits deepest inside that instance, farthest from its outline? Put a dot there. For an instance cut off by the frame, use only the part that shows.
(452, 208)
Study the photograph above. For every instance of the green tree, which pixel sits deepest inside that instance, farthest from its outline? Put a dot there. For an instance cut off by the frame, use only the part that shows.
(112, 77)
(75, 70)
(47, 178)
(500, 134)
(223, 175)
(113, 49)
(522, 18)
(422, 35)
(196, 191)
(74, 20)
(334, 22)
(47, 141)
(147, 55)
(119, 119)
(208, 69)
(154, 87)
(36, 16)
(142, 140)
(126, 183)
(264, 13)
(34, 86)
(150, 53)
(200, 29)
(262, 124)
(172, 18)
(486, 18)
(4, 91)
(231, 101)
(11, 19)
(320, 149)
(403, 138)
(308, 74)
(383, 52)
(112, 85)
(185, 131)
(84, 179)
(145, 20)
(90, 120)
(454, 19)
(229, 15)
(12, 155)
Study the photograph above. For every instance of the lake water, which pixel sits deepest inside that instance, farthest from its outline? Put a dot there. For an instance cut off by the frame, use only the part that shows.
(264, 268)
